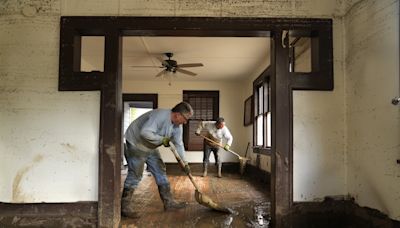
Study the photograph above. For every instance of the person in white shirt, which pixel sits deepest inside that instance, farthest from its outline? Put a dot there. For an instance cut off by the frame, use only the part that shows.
(143, 137)
(216, 131)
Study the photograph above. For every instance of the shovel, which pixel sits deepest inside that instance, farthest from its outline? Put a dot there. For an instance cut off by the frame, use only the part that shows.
(242, 160)
(200, 197)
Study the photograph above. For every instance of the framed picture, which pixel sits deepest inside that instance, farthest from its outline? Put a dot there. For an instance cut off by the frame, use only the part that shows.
(248, 111)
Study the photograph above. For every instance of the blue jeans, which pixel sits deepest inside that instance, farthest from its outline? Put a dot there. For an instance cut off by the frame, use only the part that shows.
(136, 160)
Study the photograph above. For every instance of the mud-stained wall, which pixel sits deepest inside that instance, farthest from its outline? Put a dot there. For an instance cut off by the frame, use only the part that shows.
(318, 134)
(48, 139)
(373, 123)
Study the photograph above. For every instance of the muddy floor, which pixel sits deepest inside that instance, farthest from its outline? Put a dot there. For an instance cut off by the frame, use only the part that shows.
(249, 202)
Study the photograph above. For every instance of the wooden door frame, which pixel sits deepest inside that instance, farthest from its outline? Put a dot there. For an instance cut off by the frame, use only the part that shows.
(110, 84)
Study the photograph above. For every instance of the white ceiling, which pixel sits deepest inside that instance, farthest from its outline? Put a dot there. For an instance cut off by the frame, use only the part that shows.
(224, 58)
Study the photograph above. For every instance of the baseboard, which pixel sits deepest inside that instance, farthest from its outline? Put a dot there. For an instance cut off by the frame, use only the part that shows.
(79, 214)
(251, 171)
(227, 167)
(337, 212)
(257, 174)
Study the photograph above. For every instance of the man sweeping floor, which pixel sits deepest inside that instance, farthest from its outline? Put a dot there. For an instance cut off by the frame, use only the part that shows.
(217, 131)
(143, 136)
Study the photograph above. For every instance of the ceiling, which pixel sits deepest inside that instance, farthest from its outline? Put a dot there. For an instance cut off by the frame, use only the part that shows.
(224, 58)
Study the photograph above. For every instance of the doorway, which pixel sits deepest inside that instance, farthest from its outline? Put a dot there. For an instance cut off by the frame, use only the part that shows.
(109, 82)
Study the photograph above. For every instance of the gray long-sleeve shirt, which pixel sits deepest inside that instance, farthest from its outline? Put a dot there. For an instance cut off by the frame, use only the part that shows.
(147, 131)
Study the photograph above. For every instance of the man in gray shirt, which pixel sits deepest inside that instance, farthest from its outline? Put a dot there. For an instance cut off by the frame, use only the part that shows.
(143, 136)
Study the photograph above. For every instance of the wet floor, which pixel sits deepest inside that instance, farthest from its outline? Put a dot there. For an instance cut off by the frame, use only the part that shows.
(250, 214)
(249, 202)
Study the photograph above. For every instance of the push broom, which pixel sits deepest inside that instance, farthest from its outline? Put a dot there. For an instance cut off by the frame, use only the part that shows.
(200, 197)
(242, 160)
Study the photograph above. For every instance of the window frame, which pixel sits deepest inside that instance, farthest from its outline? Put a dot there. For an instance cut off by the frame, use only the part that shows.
(262, 81)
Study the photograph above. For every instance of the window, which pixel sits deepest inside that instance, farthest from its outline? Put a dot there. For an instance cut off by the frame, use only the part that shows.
(206, 107)
(262, 111)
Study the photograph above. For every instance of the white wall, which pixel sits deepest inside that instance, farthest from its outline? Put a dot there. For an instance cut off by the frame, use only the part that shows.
(373, 123)
(318, 135)
(48, 139)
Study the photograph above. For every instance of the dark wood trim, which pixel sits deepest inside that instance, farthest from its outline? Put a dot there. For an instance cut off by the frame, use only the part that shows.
(321, 75)
(197, 167)
(81, 81)
(84, 214)
(74, 27)
(282, 143)
(109, 206)
(70, 79)
(54, 209)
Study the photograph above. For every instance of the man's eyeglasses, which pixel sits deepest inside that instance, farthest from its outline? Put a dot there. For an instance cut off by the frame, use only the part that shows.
(184, 117)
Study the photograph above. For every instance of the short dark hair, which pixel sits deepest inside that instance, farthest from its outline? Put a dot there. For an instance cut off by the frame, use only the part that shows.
(220, 120)
(184, 108)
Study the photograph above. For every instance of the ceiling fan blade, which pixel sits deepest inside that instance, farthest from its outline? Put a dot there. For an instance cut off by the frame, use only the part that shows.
(146, 66)
(190, 65)
(160, 73)
(185, 72)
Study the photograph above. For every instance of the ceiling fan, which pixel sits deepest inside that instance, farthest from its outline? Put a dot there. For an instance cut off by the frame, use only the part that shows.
(172, 66)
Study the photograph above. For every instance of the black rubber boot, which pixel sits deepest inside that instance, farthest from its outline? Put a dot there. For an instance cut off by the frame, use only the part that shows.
(205, 166)
(166, 196)
(127, 205)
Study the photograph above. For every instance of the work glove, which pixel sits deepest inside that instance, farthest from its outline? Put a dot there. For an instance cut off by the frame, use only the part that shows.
(187, 169)
(226, 147)
(197, 133)
(165, 141)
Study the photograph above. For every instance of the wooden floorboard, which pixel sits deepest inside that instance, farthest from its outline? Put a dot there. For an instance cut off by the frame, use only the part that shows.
(248, 199)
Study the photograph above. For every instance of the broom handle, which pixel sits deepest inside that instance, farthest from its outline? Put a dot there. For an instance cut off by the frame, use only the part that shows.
(182, 164)
(247, 149)
(206, 138)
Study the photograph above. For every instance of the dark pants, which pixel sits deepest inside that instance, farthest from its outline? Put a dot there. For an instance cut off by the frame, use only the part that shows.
(207, 151)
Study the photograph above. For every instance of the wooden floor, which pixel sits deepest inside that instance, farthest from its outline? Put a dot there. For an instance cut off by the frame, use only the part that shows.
(248, 200)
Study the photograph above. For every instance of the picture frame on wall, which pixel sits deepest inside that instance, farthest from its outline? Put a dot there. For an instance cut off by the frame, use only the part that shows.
(248, 111)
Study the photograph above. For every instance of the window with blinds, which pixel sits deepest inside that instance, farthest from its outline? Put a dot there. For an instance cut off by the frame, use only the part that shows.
(205, 105)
